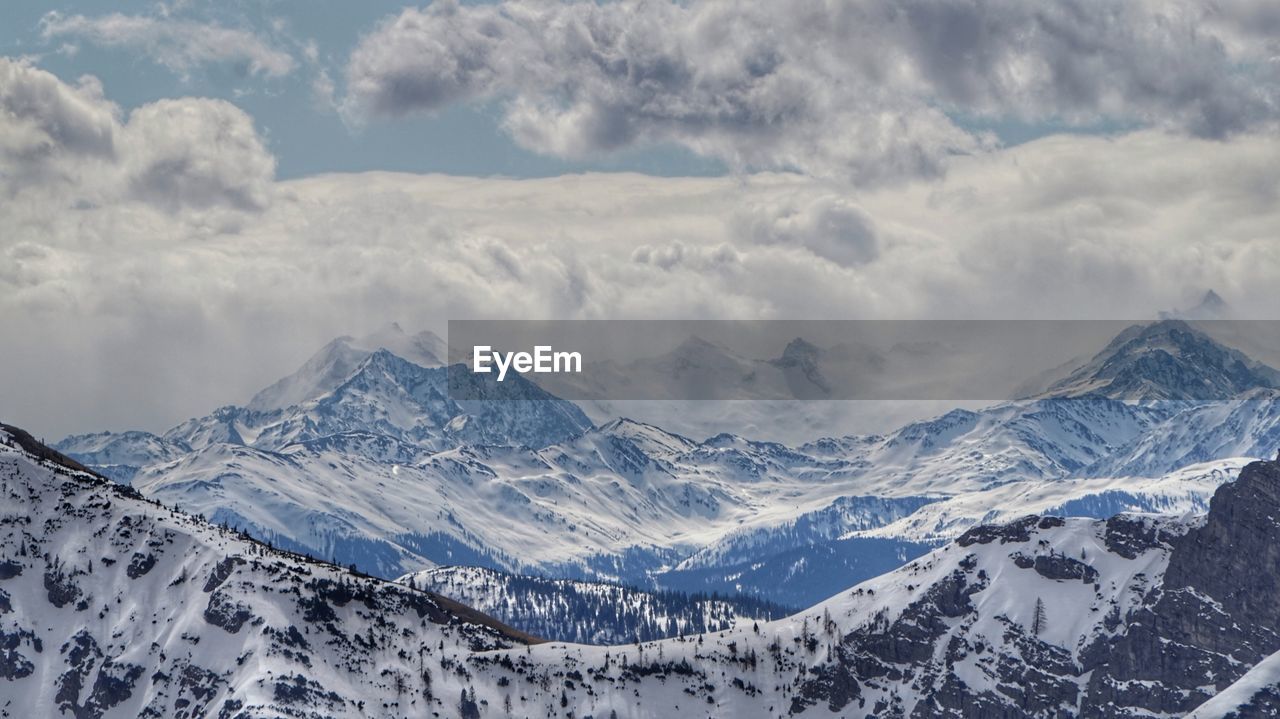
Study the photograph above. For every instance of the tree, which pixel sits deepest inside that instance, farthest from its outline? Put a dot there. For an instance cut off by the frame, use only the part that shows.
(467, 707)
(1038, 618)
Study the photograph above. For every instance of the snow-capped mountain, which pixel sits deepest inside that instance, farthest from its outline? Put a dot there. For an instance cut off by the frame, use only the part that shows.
(1248, 426)
(384, 470)
(119, 455)
(628, 502)
(1042, 617)
(336, 361)
(1166, 360)
(1210, 307)
(382, 394)
(590, 612)
(114, 606)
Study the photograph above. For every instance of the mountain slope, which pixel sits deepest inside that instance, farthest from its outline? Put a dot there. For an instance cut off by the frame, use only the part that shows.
(1166, 360)
(1248, 426)
(1043, 617)
(1252, 696)
(590, 612)
(113, 606)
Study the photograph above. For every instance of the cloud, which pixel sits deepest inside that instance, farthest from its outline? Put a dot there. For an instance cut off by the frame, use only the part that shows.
(66, 146)
(135, 281)
(869, 91)
(47, 125)
(197, 153)
(182, 46)
(831, 226)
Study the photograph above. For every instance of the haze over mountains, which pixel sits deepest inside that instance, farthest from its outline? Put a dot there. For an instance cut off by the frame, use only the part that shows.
(376, 466)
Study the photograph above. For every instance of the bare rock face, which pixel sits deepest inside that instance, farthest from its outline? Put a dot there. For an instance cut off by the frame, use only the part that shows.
(1215, 614)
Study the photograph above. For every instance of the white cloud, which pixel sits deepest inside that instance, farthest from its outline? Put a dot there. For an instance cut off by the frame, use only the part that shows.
(47, 125)
(133, 279)
(65, 146)
(180, 45)
(863, 90)
(196, 153)
(830, 225)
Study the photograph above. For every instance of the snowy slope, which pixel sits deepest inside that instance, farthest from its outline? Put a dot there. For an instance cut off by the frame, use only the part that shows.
(951, 625)
(1254, 695)
(1245, 427)
(1182, 491)
(1045, 617)
(113, 606)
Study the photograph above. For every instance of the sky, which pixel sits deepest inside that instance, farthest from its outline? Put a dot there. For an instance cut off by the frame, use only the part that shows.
(195, 196)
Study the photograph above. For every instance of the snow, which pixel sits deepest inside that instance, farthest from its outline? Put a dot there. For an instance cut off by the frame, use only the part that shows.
(978, 596)
(336, 361)
(1183, 491)
(1230, 702)
(166, 628)
(374, 464)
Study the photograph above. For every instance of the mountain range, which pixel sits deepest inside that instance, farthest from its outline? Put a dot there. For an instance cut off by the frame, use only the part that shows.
(112, 605)
(376, 466)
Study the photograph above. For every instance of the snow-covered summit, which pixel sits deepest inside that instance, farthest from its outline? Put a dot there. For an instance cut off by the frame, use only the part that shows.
(1166, 360)
(336, 361)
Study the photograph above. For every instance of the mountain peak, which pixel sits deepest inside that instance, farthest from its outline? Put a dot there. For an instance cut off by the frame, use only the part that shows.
(334, 363)
(1211, 307)
(652, 438)
(1167, 359)
(800, 349)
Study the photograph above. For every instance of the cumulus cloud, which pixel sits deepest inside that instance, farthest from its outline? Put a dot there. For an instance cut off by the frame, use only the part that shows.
(178, 44)
(831, 226)
(47, 125)
(196, 153)
(868, 90)
(65, 146)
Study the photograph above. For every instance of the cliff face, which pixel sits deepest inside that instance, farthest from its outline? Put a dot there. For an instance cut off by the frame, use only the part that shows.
(1213, 617)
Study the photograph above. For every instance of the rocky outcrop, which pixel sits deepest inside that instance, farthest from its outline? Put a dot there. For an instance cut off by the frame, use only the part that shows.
(1213, 617)
(1196, 624)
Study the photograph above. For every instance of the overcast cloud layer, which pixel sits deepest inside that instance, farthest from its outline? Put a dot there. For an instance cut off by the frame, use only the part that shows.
(151, 268)
(867, 90)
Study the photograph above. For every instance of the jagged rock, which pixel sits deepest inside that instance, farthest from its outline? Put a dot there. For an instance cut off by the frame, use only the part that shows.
(227, 613)
(140, 564)
(13, 665)
(222, 572)
(1214, 615)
